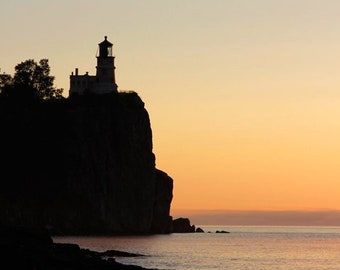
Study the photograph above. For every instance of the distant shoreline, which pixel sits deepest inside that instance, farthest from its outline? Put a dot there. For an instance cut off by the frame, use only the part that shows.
(263, 218)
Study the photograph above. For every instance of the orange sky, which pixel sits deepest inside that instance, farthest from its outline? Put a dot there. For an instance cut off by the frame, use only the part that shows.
(243, 96)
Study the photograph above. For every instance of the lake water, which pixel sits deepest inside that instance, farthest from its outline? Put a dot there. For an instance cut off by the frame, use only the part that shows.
(289, 248)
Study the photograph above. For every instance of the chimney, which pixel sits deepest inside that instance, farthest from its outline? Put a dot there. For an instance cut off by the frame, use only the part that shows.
(76, 71)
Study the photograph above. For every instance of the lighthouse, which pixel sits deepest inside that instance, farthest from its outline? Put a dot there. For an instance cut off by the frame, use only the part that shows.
(104, 81)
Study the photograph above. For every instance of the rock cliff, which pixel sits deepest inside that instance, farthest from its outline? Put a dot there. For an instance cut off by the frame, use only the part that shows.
(83, 165)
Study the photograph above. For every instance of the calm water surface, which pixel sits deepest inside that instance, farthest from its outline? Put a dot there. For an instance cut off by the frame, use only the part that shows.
(289, 248)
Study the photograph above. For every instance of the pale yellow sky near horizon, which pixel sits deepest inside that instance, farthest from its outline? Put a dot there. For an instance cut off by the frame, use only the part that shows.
(243, 95)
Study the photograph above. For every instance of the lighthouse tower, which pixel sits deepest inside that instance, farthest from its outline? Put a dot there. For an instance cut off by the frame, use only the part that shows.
(105, 76)
(104, 81)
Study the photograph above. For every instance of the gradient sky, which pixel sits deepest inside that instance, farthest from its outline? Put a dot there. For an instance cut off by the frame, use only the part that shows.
(243, 95)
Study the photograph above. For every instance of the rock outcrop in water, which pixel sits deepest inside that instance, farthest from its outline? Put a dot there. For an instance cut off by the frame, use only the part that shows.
(182, 225)
(82, 165)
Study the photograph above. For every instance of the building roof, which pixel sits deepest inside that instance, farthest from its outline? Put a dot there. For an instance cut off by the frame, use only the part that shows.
(105, 43)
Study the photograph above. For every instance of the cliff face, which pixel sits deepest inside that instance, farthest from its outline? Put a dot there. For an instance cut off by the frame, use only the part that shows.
(82, 166)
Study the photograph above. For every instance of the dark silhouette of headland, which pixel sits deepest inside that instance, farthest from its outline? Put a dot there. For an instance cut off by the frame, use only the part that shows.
(81, 165)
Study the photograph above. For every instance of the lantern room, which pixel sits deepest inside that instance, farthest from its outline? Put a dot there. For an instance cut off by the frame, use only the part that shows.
(105, 48)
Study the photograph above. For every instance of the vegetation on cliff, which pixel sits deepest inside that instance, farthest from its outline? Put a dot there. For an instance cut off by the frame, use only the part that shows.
(31, 80)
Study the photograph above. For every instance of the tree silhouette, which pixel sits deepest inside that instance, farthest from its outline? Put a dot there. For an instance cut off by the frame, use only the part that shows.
(6, 81)
(31, 79)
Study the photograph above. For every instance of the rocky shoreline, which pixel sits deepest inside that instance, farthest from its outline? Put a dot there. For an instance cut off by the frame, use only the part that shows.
(29, 249)
(32, 249)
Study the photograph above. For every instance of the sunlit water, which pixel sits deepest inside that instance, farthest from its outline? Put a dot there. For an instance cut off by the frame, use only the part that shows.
(289, 248)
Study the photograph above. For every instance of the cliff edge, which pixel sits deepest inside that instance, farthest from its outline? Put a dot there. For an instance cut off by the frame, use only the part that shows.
(83, 165)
